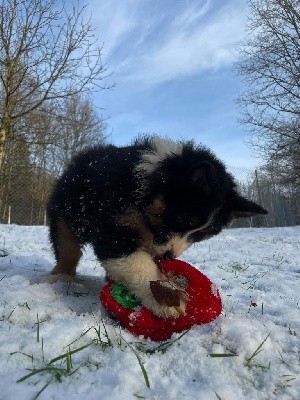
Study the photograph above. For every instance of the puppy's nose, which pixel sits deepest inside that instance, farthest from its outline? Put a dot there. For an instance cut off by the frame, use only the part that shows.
(168, 255)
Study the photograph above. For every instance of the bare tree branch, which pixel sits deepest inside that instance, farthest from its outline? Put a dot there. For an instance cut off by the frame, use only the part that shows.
(270, 69)
(47, 52)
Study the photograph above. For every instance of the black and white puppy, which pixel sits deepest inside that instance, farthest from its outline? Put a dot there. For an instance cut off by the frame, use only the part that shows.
(154, 198)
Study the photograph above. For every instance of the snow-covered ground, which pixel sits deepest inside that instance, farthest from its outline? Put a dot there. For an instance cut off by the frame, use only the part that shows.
(252, 351)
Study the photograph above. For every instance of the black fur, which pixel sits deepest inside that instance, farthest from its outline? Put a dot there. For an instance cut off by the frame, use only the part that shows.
(101, 187)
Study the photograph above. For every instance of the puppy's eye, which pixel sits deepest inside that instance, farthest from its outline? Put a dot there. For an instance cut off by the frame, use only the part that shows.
(212, 230)
(179, 219)
(185, 221)
(194, 221)
(161, 238)
(197, 237)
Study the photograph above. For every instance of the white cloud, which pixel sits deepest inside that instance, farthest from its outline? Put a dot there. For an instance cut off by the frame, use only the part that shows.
(169, 43)
(187, 52)
(192, 14)
(114, 20)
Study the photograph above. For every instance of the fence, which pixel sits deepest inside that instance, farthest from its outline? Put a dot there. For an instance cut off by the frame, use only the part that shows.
(260, 189)
(23, 197)
(24, 203)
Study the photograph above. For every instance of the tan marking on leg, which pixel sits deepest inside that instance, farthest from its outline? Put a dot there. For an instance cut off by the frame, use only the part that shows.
(153, 211)
(136, 221)
(69, 251)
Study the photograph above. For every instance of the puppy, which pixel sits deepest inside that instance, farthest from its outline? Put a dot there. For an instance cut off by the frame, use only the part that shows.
(154, 198)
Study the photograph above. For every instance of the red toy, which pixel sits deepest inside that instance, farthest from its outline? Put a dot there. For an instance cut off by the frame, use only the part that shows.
(203, 305)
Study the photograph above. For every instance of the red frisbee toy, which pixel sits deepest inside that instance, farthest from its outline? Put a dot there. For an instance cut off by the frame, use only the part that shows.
(203, 304)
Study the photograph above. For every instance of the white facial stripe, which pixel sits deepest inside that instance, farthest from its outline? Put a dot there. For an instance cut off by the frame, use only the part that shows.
(206, 225)
(179, 244)
(161, 149)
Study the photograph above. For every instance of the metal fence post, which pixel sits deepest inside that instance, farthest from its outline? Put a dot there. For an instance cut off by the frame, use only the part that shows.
(9, 215)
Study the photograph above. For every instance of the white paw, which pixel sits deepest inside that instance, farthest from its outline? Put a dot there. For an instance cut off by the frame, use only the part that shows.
(164, 311)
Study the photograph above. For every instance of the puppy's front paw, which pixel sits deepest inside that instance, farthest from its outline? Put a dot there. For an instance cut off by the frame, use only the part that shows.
(164, 311)
(172, 307)
(171, 295)
(169, 312)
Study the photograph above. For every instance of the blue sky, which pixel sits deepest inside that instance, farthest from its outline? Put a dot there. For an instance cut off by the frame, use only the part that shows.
(172, 62)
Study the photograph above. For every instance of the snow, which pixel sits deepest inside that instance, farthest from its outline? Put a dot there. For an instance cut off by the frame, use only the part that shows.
(258, 274)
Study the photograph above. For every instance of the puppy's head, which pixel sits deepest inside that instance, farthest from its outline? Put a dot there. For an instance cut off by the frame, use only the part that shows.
(188, 196)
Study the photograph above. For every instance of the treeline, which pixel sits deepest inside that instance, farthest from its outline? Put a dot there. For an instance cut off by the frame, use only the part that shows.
(281, 201)
(37, 153)
(270, 104)
(30, 179)
(50, 63)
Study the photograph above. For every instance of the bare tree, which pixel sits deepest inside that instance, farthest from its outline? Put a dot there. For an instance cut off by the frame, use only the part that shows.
(77, 124)
(270, 68)
(47, 53)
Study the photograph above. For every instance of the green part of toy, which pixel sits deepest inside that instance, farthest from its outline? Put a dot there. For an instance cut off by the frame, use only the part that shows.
(123, 296)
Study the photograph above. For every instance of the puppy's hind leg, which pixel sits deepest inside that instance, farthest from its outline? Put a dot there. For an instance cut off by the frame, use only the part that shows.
(67, 249)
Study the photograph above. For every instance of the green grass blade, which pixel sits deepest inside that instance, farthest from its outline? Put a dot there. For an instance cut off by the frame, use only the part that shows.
(143, 369)
(109, 343)
(145, 375)
(220, 355)
(38, 328)
(43, 388)
(38, 371)
(69, 361)
(258, 350)
(23, 354)
(65, 355)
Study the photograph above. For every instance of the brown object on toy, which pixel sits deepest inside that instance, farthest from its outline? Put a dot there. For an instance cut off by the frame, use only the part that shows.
(169, 292)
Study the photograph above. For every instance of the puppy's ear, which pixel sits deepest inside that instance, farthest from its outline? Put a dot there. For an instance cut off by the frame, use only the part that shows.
(204, 176)
(243, 208)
